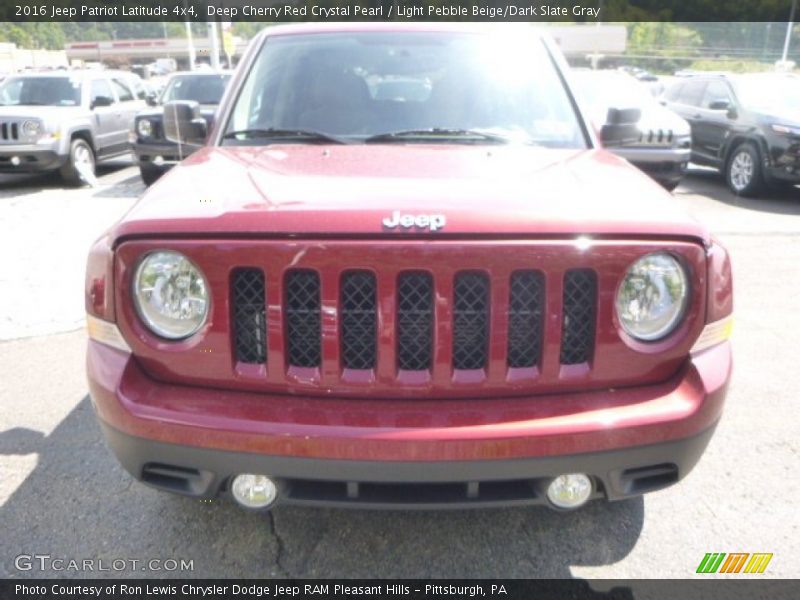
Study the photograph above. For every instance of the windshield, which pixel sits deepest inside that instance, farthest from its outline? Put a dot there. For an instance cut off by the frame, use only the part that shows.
(362, 86)
(205, 89)
(769, 93)
(40, 91)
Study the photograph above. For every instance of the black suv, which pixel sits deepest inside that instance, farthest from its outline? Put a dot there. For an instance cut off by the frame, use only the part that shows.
(748, 126)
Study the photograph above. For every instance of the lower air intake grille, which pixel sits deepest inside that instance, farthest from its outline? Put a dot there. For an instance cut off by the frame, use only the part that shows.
(525, 313)
(580, 299)
(470, 321)
(249, 319)
(358, 307)
(414, 321)
(302, 309)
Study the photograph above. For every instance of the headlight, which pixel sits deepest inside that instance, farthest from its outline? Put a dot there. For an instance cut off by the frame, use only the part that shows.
(785, 129)
(144, 128)
(171, 295)
(652, 297)
(31, 128)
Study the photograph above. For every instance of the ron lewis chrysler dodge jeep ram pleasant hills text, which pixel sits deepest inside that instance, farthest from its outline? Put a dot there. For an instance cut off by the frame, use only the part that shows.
(403, 272)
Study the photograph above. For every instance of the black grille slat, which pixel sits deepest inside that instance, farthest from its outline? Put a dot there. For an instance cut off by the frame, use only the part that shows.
(525, 319)
(414, 321)
(470, 321)
(579, 304)
(249, 316)
(303, 327)
(358, 306)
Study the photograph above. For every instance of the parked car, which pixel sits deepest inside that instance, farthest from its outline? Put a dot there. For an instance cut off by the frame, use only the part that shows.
(747, 126)
(66, 121)
(416, 300)
(154, 153)
(663, 146)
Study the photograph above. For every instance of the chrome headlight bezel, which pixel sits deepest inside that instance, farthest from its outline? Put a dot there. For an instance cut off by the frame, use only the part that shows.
(32, 128)
(189, 293)
(144, 128)
(662, 280)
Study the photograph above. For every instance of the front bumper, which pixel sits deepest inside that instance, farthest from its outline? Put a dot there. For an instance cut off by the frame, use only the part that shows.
(413, 453)
(665, 165)
(169, 153)
(32, 158)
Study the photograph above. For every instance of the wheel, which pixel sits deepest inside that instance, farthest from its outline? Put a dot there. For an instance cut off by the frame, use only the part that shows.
(81, 160)
(743, 172)
(150, 174)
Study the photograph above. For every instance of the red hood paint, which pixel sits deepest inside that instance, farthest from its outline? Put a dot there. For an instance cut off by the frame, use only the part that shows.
(332, 190)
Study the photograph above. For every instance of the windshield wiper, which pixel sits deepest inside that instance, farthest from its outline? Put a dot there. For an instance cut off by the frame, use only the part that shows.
(440, 132)
(283, 134)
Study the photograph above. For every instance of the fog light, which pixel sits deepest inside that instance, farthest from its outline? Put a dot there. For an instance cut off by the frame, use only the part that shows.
(15, 160)
(569, 491)
(254, 491)
(158, 160)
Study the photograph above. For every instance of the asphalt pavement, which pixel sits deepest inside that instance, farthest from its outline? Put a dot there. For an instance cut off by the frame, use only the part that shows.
(63, 495)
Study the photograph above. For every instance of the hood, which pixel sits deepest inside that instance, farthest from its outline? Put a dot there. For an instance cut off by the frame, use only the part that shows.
(151, 113)
(157, 112)
(313, 190)
(789, 118)
(44, 113)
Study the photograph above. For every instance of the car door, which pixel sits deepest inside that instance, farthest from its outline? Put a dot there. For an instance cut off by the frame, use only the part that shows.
(104, 114)
(687, 105)
(126, 109)
(717, 118)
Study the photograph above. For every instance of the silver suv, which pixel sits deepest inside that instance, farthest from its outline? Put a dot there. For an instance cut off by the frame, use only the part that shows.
(66, 121)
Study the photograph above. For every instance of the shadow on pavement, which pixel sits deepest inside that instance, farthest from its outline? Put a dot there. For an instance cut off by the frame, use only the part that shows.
(52, 179)
(711, 184)
(79, 503)
(129, 187)
(20, 440)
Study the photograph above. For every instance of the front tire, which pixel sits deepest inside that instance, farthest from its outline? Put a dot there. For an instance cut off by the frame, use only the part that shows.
(81, 158)
(743, 171)
(150, 174)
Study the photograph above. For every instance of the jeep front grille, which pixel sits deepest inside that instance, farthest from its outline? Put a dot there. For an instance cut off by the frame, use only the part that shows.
(9, 131)
(655, 137)
(412, 318)
(415, 324)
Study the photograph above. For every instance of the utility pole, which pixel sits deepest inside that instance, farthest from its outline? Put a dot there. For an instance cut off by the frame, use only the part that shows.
(190, 41)
(212, 31)
(788, 32)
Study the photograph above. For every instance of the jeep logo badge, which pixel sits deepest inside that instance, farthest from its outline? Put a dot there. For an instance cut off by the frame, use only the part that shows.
(432, 222)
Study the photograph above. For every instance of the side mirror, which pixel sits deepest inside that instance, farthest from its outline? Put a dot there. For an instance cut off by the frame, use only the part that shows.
(151, 99)
(720, 105)
(183, 123)
(621, 126)
(100, 101)
(725, 106)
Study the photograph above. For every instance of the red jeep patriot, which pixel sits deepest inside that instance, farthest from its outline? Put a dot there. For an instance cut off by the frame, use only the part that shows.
(402, 272)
